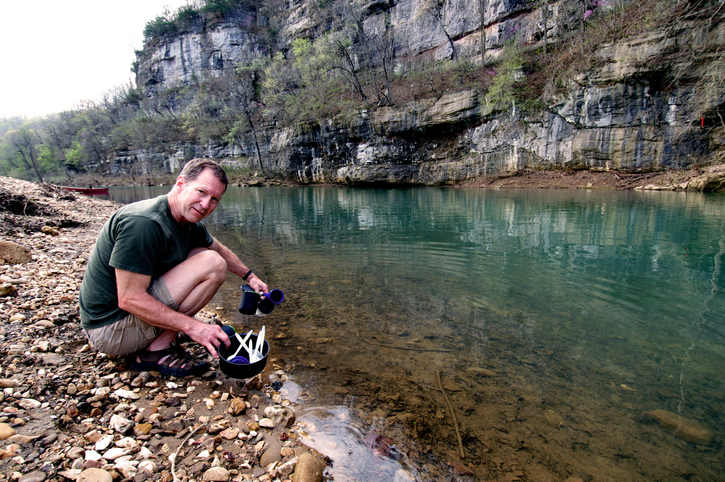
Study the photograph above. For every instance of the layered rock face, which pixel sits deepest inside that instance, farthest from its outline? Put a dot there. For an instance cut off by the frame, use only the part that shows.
(621, 117)
(207, 48)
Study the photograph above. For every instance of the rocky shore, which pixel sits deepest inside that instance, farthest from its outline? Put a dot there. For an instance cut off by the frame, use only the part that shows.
(71, 413)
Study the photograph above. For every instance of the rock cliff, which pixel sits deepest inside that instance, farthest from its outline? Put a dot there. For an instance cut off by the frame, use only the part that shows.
(655, 101)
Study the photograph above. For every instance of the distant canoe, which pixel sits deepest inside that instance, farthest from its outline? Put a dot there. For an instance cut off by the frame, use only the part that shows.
(88, 191)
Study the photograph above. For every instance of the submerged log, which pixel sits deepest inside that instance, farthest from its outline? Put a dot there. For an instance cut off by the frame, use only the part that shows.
(683, 428)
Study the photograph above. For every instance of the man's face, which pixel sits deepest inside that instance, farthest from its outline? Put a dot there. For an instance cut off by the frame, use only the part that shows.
(198, 198)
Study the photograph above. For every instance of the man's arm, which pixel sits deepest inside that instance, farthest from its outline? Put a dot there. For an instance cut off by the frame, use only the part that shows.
(234, 265)
(133, 298)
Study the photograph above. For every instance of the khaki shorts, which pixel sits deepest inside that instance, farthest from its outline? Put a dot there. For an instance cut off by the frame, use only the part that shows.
(130, 334)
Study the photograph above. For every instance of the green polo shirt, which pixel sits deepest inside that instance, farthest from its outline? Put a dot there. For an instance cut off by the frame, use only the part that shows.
(143, 238)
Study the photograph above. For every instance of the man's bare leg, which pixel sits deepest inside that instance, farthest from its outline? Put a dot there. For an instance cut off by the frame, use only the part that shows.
(192, 284)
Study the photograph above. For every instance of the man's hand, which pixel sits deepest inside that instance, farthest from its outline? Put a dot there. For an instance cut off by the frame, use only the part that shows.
(257, 284)
(209, 336)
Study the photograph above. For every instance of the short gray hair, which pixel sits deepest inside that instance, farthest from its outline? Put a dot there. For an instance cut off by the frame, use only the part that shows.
(194, 167)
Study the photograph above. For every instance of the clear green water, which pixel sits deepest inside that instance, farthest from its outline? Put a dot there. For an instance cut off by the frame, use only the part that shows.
(589, 309)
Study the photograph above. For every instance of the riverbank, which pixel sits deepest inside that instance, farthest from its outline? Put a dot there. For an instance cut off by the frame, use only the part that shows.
(68, 412)
(709, 179)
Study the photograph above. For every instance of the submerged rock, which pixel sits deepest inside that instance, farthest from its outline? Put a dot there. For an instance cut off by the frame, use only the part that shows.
(683, 428)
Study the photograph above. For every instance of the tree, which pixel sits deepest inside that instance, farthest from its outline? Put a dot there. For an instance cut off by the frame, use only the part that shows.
(25, 142)
(243, 92)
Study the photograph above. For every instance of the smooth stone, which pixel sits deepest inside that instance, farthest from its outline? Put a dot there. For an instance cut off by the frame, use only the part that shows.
(29, 404)
(14, 253)
(93, 436)
(127, 443)
(114, 453)
(94, 475)
(272, 454)
(217, 474)
(266, 423)
(127, 394)
(76, 453)
(21, 439)
(309, 469)
(6, 431)
(8, 383)
(35, 476)
(7, 289)
(682, 428)
(103, 443)
(230, 433)
(142, 429)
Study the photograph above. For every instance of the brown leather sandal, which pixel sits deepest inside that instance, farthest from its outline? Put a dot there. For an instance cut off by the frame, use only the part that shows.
(177, 358)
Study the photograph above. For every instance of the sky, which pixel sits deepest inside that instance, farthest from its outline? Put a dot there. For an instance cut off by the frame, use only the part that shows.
(55, 54)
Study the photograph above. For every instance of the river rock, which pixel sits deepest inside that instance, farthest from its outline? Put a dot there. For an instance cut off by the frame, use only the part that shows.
(94, 475)
(8, 383)
(272, 454)
(6, 431)
(121, 424)
(7, 289)
(114, 453)
(142, 429)
(217, 474)
(683, 428)
(126, 467)
(237, 407)
(309, 469)
(229, 433)
(103, 443)
(14, 253)
(279, 415)
(35, 476)
(127, 394)
(29, 404)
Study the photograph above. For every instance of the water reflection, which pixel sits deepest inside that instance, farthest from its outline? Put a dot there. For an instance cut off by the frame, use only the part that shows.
(556, 319)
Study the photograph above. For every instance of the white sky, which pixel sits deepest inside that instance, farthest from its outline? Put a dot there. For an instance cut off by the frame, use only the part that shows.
(57, 53)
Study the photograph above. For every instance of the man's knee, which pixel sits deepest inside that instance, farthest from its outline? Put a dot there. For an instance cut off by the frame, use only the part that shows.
(214, 264)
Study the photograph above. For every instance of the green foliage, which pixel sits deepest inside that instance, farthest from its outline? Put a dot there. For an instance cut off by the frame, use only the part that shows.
(222, 7)
(161, 26)
(507, 81)
(187, 16)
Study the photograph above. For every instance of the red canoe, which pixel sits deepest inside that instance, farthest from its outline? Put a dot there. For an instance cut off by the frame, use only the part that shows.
(88, 191)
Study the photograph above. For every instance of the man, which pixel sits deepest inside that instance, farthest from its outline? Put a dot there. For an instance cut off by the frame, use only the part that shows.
(153, 267)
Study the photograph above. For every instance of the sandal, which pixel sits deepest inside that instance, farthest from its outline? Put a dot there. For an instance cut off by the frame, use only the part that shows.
(177, 358)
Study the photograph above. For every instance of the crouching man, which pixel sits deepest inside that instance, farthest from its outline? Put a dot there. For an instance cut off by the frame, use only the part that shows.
(153, 267)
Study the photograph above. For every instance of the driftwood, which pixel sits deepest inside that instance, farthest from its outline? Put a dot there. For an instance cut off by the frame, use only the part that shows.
(453, 416)
(176, 454)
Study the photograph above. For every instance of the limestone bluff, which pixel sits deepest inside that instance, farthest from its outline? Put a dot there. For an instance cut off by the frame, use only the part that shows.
(645, 107)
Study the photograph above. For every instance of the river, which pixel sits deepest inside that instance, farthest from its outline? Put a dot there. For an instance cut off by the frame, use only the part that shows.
(555, 322)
